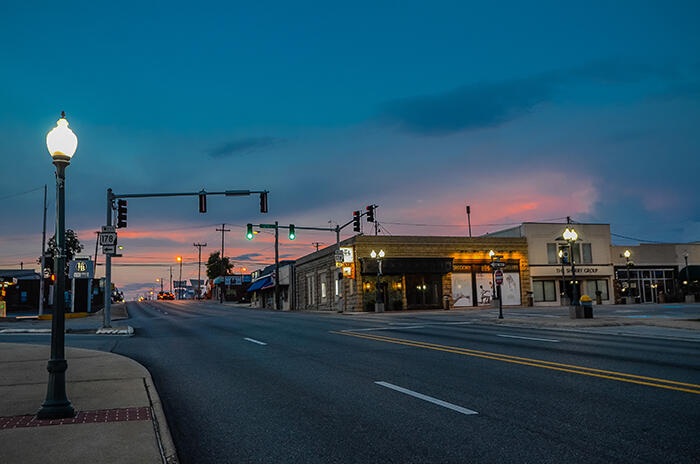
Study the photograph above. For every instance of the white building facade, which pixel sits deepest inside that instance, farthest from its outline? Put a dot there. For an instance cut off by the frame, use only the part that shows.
(551, 275)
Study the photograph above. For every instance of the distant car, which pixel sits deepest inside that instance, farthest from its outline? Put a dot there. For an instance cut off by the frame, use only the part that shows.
(165, 296)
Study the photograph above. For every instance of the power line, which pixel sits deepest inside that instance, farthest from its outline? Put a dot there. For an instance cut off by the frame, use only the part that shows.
(21, 193)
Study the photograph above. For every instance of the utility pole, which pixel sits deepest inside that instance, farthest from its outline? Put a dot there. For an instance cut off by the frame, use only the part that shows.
(171, 278)
(223, 268)
(469, 220)
(97, 242)
(316, 244)
(199, 268)
(43, 262)
(277, 265)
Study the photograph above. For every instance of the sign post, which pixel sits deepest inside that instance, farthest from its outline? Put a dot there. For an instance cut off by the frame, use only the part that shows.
(498, 276)
(81, 268)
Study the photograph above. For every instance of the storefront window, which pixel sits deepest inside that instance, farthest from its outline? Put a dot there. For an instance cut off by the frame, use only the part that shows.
(544, 290)
(587, 254)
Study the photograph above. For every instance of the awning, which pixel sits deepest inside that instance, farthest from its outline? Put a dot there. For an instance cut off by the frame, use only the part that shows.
(399, 266)
(260, 283)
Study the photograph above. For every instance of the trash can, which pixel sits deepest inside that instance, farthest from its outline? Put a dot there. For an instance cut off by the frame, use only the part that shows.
(587, 305)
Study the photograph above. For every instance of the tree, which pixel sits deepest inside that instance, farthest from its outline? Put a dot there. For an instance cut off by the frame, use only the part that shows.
(214, 265)
(73, 247)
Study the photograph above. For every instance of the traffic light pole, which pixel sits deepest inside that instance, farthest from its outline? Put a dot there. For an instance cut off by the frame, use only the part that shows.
(111, 196)
(107, 312)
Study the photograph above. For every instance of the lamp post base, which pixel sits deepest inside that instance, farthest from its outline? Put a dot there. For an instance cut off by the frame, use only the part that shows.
(56, 405)
(55, 411)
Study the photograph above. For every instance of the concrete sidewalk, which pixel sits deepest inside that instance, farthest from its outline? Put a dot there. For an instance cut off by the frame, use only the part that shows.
(118, 419)
(92, 324)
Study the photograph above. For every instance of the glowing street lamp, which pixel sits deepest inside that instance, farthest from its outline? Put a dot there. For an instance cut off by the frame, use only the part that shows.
(378, 307)
(179, 292)
(571, 236)
(628, 263)
(61, 143)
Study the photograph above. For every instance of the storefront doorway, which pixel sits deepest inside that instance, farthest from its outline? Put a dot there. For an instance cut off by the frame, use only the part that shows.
(424, 291)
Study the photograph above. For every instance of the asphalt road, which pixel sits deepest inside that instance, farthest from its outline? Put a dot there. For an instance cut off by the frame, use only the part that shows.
(241, 385)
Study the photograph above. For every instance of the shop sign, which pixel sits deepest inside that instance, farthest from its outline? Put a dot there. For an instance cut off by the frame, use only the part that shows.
(348, 254)
(80, 269)
(349, 270)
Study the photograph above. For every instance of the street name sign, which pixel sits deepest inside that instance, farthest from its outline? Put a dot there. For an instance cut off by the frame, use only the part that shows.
(497, 264)
(498, 275)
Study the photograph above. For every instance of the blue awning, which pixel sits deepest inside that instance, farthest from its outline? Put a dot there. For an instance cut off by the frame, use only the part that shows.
(260, 283)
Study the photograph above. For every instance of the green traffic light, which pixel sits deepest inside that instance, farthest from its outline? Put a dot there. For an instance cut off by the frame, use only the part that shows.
(292, 234)
(249, 234)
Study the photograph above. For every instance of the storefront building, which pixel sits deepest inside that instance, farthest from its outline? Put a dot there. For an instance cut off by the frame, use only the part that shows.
(416, 273)
(657, 273)
(552, 282)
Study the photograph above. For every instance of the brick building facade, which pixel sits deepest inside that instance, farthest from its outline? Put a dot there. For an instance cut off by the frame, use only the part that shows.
(417, 273)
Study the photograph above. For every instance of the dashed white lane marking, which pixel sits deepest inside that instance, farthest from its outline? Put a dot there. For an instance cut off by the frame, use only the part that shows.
(165, 313)
(252, 340)
(427, 398)
(530, 338)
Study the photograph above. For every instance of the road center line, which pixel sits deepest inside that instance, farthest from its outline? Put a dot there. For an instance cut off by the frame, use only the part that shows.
(573, 369)
(427, 398)
(530, 338)
(252, 340)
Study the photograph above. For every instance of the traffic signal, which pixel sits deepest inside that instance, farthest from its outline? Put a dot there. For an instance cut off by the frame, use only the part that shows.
(121, 214)
(202, 202)
(356, 221)
(292, 234)
(249, 233)
(263, 203)
(370, 213)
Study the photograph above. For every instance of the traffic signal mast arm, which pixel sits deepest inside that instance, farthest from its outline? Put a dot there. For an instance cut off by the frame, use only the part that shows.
(228, 193)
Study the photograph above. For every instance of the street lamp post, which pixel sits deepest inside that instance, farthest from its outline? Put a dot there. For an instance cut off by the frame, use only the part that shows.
(687, 273)
(493, 279)
(628, 264)
(571, 236)
(61, 142)
(563, 276)
(179, 292)
(378, 307)
(160, 280)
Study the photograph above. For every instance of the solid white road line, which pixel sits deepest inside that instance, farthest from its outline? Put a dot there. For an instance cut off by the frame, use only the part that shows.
(254, 341)
(427, 398)
(530, 338)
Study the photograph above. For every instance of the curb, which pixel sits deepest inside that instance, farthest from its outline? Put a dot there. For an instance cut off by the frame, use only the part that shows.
(128, 330)
(168, 453)
(591, 330)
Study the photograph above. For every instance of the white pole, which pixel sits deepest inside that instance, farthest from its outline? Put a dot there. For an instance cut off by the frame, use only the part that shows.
(72, 295)
(89, 302)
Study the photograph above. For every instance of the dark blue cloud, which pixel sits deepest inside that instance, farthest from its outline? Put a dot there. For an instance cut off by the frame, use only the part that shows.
(243, 146)
(247, 257)
(491, 104)
(469, 107)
